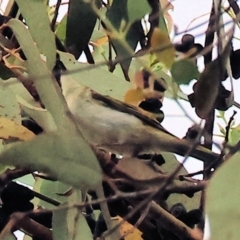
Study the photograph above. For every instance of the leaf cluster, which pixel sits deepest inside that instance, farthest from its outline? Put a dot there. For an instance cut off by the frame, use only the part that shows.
(84, 192)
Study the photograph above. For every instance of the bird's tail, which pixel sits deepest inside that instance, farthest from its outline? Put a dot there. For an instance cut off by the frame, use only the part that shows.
(186, 148)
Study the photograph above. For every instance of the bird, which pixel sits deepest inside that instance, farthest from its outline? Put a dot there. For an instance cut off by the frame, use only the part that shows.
(121, 128)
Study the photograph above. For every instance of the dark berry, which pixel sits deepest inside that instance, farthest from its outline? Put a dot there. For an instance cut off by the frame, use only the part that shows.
(32, 126)
(158, 86)
(91, 223)
(151, 105)
(235, 63)
(158, 159)
(146, 75)
(45, 219)
(223, 101)
(188, 39)
(17, 206)
(193, 217)
(179, 211)
(100, 227)
(16, 192)
(192, 132)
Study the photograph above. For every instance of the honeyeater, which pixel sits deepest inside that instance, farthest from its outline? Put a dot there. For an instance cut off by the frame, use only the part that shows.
(121, 128)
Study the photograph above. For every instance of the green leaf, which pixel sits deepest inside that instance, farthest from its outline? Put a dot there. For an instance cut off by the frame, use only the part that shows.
(27, 179)
(99, 31)
(69, 224)
(41, 116)
(5, 72)
(184, 71)
(61, 29)
(117, 14)
(139, 11)
(234, 135)
(2, 167)
(53, 153)
(38, 71)
(51, 189)
(222, 129)
(222, 201)
(42, 152)
(81, 20)
(26, 237)
(222, 115)
(35, 14)
(133, 36)
(9, 105)
(98, 79)
(162, 22)
(8, 236)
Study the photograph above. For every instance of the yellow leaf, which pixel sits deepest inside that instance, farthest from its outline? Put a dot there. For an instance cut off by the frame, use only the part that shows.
(163, 48)
(127, 229)
(102, 40)
(9, 130)
(134, 96)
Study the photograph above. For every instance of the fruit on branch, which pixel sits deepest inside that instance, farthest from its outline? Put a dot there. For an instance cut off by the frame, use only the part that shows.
(179, 211)
(188, 47)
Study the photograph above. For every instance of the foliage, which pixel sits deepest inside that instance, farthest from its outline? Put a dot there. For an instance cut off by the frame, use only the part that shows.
(88, 136)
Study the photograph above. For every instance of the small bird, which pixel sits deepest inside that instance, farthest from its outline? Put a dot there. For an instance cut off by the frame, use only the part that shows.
(121, 128)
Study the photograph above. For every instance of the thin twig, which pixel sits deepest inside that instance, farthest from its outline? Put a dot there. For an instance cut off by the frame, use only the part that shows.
(54, 19)
(228, 127)
(10, 174)
(159, 191)
(233, 4)
(20, 220)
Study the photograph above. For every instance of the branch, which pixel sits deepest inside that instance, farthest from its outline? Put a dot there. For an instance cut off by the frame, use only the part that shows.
(171, 223)
(20, 220)
(10, 174)
(228, 127)
(54, 19)
(186, 188)
(233, 4)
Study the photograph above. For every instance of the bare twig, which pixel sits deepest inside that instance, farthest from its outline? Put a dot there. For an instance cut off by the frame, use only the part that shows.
(185, 188)
(10, 174)
(54, 20)
(228, 127)
(159, 191)
(233, 4)
(171, 223)
(20, 220)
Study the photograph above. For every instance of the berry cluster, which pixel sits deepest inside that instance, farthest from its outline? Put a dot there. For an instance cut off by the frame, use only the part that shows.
(190, 218)
(152, 101)
(188, 46)
(235, 65)
(17, 198)
(191, 49)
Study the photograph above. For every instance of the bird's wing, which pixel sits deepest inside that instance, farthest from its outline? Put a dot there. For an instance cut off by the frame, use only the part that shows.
(127, 108)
